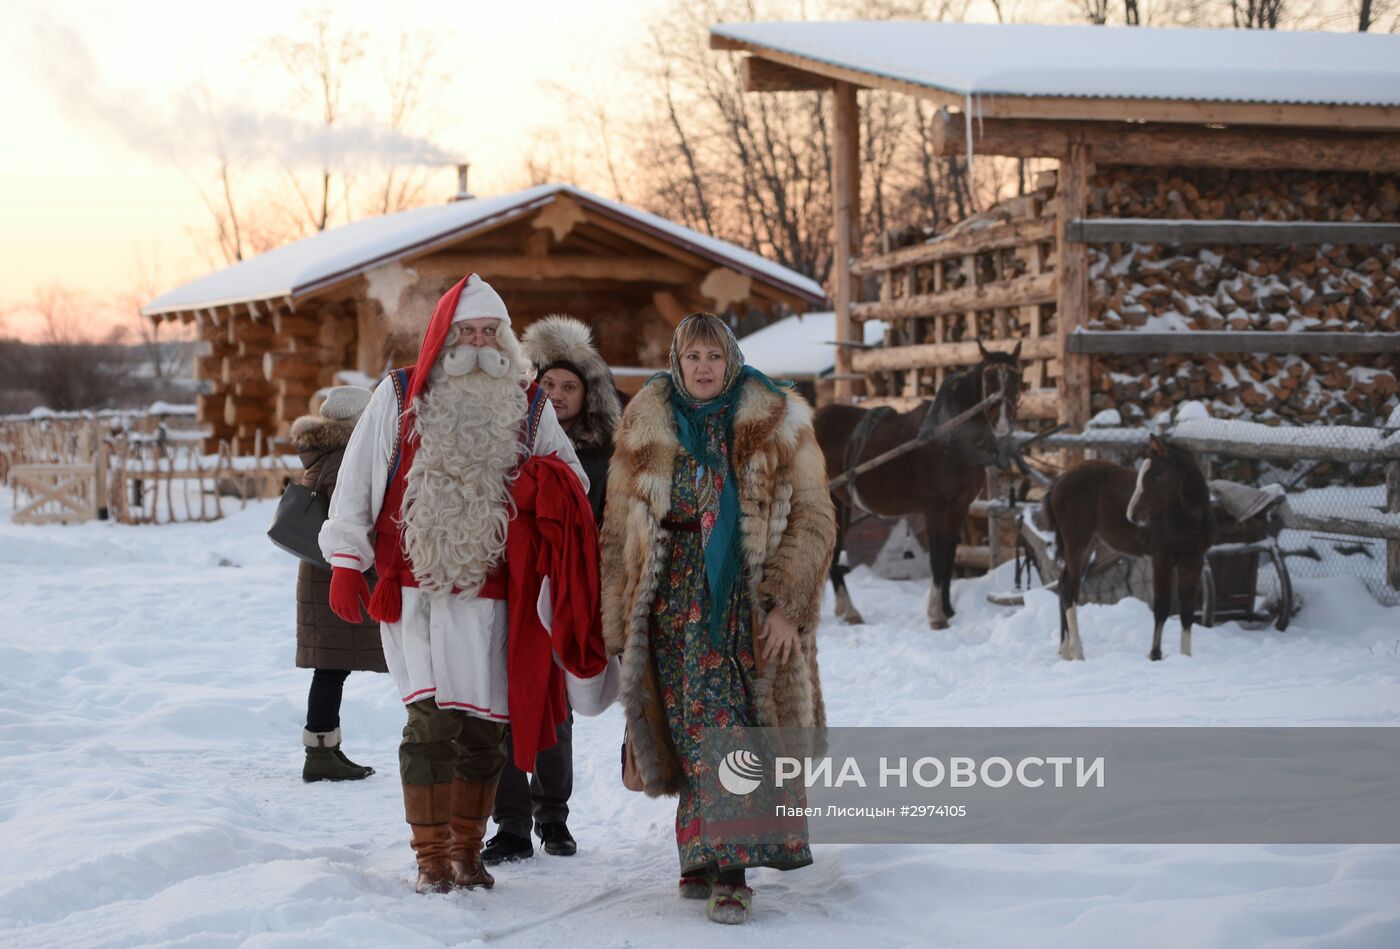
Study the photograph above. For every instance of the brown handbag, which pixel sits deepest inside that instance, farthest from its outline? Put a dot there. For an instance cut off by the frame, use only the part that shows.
(631, 774)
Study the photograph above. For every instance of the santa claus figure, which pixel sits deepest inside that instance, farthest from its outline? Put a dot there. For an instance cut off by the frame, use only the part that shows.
(425, 496)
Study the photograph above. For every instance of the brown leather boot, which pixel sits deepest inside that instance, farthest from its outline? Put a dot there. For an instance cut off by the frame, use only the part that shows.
(471, 808)
(428, 808)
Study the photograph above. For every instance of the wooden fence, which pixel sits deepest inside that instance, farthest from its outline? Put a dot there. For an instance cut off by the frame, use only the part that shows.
(1211, 440)
(993, 279)
(73, 469)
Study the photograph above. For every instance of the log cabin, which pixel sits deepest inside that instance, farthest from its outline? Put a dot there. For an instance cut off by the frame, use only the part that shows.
(279, 327)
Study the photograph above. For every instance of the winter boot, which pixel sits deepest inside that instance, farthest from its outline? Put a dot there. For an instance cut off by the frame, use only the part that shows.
(428, 808)
(697, 886)
(557, 840)
(326, 762)
(506, 847)
(730, 904)
(471, 809)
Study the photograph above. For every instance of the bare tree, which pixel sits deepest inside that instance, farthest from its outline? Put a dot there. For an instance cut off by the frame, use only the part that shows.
(413, 82)
(163, 361)
(318, 62)
(1256, 14)
(756, 169)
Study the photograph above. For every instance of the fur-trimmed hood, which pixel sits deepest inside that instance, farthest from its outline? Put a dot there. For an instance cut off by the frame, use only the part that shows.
(563, 337)
(316, 434)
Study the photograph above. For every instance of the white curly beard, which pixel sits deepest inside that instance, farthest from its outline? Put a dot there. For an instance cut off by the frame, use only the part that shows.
(457, 505)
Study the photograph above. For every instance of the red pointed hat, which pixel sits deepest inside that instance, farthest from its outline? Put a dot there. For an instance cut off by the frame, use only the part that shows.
(469, 299)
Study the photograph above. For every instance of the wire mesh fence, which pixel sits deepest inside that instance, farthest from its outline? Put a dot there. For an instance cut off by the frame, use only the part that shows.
(1329, 497)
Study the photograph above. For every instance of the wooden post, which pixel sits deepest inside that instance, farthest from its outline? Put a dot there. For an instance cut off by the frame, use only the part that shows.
(845, 192)
(1392, 505)
(100, 482)
(1072, 288)
(996, 490)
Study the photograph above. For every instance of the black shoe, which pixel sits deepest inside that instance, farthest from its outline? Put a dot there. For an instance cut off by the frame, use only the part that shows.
(506, 847)
(557, 840)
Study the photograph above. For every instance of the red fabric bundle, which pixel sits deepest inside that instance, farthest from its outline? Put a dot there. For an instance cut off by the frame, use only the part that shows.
(552, 536)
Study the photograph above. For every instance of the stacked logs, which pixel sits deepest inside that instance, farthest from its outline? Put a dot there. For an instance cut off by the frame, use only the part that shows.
(1325, 288)
(1349, 390)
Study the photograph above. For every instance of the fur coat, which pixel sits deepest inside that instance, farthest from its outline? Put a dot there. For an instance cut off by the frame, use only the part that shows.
(787, 530)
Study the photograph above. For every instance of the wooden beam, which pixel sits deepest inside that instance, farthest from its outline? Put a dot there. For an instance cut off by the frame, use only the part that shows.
(630, 269)
(724, 43)
(643, 239)
(1134, 343)
(764, 75)
(1072, 285)
(1021, 291)
(1183, 233)
(1130, 143)
(1191, 112)
(845, 192)
(671, 309)
(1039, 404)
(973, 241)
(947, 355)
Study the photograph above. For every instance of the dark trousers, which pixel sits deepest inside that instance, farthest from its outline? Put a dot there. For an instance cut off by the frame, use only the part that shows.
(543, 798)
(323, 699)
(440, 744)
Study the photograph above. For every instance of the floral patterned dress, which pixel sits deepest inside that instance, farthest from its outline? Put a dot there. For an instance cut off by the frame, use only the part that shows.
(707, 680)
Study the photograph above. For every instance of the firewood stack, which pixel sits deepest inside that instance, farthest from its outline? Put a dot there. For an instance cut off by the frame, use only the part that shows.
(1260, 288)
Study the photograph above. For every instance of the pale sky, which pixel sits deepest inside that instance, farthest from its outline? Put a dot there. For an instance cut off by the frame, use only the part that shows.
(94, 119)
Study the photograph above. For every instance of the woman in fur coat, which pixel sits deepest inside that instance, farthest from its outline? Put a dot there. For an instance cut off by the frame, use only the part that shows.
(716, 539)
(325, 642)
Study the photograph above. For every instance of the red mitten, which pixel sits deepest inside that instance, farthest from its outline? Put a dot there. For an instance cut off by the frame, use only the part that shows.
(348, 591)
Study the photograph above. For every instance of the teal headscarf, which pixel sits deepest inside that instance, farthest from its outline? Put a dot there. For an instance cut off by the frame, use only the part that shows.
(693, 416)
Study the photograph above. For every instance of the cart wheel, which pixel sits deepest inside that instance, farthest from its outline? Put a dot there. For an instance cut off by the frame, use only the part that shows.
(1285, 590)
(1207, 595)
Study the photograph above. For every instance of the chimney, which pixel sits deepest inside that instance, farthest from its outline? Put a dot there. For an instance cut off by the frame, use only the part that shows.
(462, 193)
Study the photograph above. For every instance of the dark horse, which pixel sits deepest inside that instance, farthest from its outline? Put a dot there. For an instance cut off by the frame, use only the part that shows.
(1160, 511)
(938, 480)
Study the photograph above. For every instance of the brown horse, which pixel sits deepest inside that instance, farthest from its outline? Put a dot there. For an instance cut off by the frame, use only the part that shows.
(1160, 511)
(938, 480)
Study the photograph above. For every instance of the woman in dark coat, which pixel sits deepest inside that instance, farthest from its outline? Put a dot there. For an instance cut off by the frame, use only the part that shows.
(325, 642)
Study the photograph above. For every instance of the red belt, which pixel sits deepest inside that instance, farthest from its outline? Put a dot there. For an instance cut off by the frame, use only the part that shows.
(689, 526)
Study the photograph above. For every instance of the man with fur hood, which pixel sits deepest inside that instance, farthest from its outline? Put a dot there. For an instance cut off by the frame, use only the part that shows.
(427, 495)
(580, 388)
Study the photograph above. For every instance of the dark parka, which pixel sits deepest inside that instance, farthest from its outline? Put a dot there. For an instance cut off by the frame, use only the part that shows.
(324, 640)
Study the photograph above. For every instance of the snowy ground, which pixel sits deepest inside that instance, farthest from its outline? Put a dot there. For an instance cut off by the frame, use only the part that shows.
(150, 788)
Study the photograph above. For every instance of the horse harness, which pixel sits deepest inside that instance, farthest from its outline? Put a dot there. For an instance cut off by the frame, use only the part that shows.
(855, 448)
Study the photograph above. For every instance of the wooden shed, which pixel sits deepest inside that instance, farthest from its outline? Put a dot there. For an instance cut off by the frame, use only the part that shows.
(1223, 224)
(278, 327)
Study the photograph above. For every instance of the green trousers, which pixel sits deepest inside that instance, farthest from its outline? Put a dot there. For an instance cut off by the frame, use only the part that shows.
(440, 744)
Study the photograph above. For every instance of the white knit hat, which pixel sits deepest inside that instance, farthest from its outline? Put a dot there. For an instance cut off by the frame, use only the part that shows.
(479, 301)
(345, 403)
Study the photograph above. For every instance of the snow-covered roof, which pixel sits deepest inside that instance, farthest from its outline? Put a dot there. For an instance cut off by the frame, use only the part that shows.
(330, 257)
(800, 347)
(1038, 60)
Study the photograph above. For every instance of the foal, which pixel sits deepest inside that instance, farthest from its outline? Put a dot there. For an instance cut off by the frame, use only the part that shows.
(1162, 511)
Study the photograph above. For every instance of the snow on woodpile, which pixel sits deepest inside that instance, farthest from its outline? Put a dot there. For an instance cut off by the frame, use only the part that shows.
(1278, 288)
